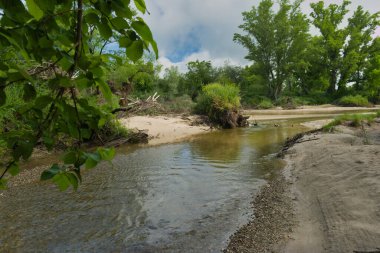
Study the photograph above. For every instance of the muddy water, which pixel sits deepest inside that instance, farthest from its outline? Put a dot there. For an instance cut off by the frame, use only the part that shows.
(186, 197)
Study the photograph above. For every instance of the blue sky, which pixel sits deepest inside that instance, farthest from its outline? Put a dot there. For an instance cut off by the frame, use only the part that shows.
(187, 30)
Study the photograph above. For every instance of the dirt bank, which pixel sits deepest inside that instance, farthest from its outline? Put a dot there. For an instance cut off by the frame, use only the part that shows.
(165, 129)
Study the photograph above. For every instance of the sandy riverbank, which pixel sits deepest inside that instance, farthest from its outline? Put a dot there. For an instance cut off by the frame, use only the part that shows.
(165, 129)
(335, 185)
(169, 128)
(328, 195)
(318, 111)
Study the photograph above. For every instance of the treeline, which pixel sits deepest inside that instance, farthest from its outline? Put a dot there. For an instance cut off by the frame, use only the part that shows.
(343, 59)
(289, 64)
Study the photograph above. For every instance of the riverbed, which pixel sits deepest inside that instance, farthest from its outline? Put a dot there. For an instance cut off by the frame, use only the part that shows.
(184, 197)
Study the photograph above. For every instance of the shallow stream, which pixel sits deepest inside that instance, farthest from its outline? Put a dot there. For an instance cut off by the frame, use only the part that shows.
(185, 197)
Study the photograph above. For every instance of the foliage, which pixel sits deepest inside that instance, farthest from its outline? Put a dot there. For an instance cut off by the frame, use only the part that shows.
(217, 97)
(169, 84)
(265, 104)
(275, 41)
(182, 104)
(344, 50)
(354, 120)
(357, 100)
(51, 43)
(199, 74)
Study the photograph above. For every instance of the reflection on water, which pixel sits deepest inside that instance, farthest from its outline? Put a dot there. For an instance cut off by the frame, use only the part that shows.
(186, 197)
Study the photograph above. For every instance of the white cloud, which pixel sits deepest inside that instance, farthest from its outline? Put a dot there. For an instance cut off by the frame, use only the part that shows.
(201, 56)
(203, 29)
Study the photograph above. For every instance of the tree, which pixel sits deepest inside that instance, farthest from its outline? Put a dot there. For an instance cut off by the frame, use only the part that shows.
(199, 74)
(170, 82)
(344, 49)
(275, 41)
(54, 35)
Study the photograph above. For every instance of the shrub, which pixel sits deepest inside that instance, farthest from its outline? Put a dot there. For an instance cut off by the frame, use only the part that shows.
(218, 97)
(221, 104)
(182, 104)
(357, 100)
(265, 104)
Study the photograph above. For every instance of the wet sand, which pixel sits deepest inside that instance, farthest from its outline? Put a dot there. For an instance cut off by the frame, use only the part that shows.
(330, 197)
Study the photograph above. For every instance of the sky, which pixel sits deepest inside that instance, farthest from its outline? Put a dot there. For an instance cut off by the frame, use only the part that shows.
(189, 30)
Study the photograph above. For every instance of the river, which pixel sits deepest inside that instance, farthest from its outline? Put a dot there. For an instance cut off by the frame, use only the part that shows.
(184, 197)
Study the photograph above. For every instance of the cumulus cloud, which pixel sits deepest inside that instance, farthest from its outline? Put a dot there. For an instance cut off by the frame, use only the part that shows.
(203, 29)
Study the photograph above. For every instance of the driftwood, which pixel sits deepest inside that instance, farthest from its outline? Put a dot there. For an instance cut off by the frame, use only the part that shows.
(294, 140)
(137, 105)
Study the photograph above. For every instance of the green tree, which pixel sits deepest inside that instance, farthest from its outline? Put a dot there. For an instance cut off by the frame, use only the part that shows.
(170, 82)
(345, 50)
(199, 74)
(54, 35)
(371, 84)
(275, 41)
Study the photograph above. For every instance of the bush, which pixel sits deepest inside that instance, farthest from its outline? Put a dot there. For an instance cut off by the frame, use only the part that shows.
(357, 100)
(265, 104)
(221, 104)
(182, 104)
(218, 97)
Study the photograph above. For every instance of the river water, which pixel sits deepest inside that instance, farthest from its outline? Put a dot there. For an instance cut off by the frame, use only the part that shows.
(185, 197)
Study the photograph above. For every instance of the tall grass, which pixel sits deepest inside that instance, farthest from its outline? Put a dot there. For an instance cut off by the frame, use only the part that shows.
(357, 100)
(354, 120)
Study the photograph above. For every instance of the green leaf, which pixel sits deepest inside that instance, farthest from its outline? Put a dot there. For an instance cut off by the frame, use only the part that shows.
(125, 42)
(3, 97)
(70, 157)
(143, 30)
(14, 169)
(90, 163)
(155, 48)
(119, 23)
(135, 50)
(34, 10)
(3, 184)
(29, 92)
(73, 180)
(92, 18)
(140, 5)
(104, 29)
(24, 149)
(42, 101)
(105, 89)
(106, 154)
(50, 173)
(62, 181)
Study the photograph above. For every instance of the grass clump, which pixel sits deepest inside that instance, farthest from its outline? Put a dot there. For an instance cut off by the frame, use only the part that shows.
(216, 97)
(354, 120)
(357, 100)
(265, 104)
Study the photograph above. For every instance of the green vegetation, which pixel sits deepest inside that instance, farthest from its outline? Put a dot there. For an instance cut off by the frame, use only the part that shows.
(59, 80)
(357, 100)
(265, 104)
(217, 101)
(53, 74)
(354, 120)
(288, 61)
